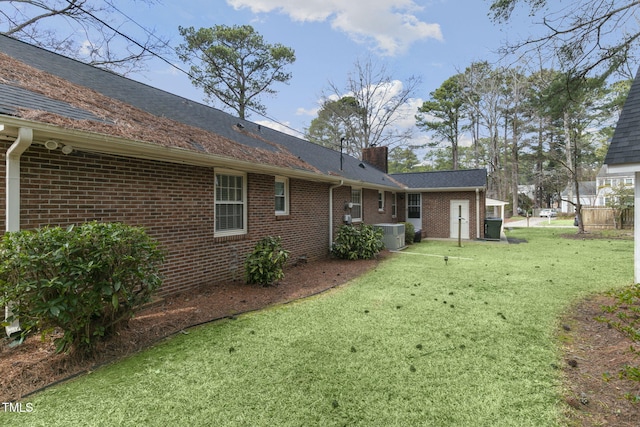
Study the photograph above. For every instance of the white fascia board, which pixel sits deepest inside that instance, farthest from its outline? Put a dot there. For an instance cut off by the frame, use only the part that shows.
(106, 144)
(443, 189)
(624, 168)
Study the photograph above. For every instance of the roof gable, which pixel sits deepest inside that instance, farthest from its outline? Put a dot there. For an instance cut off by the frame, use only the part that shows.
(625, 144)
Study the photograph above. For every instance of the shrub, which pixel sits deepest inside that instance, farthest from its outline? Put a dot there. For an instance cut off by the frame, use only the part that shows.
(86, 280)
(409, 233)
(357, 242)
(265, 264)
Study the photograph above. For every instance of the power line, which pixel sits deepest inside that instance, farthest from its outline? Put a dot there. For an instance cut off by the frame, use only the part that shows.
(160, 57)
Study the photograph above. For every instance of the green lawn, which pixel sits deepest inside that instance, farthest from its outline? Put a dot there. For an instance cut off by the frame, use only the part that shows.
(417, 342)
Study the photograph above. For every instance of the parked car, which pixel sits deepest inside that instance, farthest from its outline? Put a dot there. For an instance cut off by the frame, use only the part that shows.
(548, 213)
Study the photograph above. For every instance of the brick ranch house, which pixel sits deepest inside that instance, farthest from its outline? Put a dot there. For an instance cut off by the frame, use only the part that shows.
(83, 144)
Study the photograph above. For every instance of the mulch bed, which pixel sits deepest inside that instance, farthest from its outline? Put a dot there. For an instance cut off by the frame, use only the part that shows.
(34, 364)
(593, 357)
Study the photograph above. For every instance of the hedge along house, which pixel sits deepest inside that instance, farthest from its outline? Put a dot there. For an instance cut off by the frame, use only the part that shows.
(85, 144)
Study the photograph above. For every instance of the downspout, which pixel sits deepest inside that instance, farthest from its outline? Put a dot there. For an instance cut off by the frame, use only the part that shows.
(331, 211)
(19, 146)
(477, 213)
(12, 212)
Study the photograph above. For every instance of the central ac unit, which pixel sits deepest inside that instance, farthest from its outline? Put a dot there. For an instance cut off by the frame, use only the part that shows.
(393, 237)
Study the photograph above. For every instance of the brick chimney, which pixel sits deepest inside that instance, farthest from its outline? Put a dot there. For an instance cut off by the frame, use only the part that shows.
(376, 157)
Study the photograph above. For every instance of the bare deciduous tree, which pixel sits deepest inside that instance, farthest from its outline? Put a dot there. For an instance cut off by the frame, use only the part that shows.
(383, 102)
(587, 36)
(91, 31)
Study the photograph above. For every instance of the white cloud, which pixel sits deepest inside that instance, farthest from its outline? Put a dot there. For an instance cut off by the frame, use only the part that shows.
(311, 112)
(390, 25)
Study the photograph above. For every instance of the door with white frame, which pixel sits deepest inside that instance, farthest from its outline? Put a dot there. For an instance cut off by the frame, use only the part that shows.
(459, 209)
(414, 210)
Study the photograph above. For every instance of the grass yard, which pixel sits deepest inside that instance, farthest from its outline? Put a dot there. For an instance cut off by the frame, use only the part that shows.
(417, 342)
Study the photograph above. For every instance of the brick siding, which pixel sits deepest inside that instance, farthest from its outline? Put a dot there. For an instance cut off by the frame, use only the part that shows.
(175, 203)
(436, 210)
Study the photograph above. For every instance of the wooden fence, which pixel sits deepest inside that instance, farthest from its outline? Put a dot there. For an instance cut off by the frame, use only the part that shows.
(602, 218)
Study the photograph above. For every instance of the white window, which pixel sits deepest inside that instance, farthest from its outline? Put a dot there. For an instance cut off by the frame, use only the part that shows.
(394, 205)
(414, 205)
(628, 181)
(282, 195)
(356, 201)
(230, 203)
(380, 200)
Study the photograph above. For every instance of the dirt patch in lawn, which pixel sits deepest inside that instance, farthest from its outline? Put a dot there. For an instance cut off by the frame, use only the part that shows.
(593, 354)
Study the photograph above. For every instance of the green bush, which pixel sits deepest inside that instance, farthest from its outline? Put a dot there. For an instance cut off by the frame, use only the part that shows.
(265, 264)
(86, 280)
(409, 233)
(357, 242)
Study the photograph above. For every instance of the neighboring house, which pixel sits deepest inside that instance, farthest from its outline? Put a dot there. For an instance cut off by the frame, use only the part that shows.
(588, 196)
(86, 144)
(623, 156)
(528, 190)
(607, 182)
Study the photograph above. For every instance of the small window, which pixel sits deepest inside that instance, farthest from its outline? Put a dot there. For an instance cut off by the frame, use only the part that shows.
(356, 201)
(628, 181)
(230, 204)
(380, 200)
(282, 195)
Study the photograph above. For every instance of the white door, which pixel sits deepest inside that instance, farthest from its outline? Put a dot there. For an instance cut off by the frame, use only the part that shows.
(459, 209)
(414, 210)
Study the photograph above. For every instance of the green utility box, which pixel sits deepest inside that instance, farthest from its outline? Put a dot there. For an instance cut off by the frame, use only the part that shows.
(492, 227)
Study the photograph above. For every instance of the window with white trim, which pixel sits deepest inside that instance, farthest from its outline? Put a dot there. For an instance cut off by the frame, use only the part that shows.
(356, 202)
(282, 195)
(380, 200)
(230, 203)
(414, 205)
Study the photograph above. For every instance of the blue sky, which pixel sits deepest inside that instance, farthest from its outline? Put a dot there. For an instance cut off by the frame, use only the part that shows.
(431, 39)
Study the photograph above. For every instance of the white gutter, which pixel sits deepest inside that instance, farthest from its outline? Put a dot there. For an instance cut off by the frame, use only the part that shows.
(12, 194)
(106, 144)
(331, 211)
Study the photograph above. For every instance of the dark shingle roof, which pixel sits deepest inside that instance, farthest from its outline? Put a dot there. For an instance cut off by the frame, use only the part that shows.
(470, 178)
(170, 106)
(13, 98)
(625, 144)
(215, 122)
